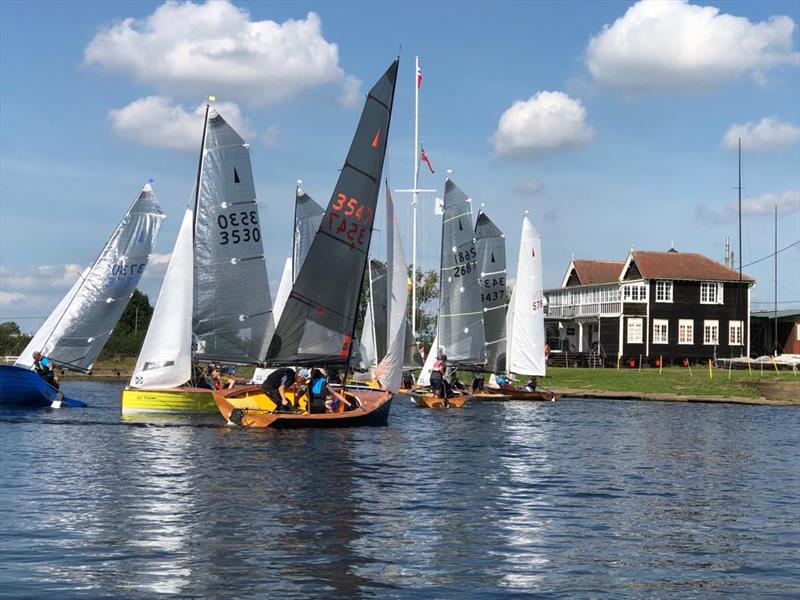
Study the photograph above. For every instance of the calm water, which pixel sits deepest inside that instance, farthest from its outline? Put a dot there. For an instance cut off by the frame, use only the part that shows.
(569, 499)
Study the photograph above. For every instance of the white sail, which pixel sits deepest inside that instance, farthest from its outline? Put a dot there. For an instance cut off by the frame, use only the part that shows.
(390, 370)
(424, 378)
(166, 356)
(367, 349)
(284, 289)
(75, 333)
(525, 318)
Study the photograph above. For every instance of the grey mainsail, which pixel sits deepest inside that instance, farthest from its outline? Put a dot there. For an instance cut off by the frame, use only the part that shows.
(379, 300)
(491, 247)
(318, 322)
(460, 322)
(75, 333)
(307, 217)
(412, 358)
(232, 306)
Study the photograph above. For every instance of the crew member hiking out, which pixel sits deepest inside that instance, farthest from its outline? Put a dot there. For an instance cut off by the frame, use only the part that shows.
(44, 367)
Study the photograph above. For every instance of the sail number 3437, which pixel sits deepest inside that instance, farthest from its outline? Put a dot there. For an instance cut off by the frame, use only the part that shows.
(351, 218)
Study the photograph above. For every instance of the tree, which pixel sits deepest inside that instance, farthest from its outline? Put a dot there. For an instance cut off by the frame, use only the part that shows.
(427, 305)
(12, 341)
(128, 336)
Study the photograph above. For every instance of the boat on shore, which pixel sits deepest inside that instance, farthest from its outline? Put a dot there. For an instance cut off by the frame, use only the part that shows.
(74, 334)
(516, 394)
(318, 322)
(214, 305)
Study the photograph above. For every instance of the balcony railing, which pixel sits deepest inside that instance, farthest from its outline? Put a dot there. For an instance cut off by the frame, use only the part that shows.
(593, 309)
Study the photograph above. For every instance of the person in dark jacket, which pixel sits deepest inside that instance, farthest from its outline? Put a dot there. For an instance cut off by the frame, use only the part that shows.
(278, 383)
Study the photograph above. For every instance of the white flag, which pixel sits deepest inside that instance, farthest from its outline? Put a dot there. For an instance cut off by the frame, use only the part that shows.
(439, 208)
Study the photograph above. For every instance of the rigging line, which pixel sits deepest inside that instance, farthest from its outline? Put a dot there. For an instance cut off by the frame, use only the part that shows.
(773, 302)
(771, 254)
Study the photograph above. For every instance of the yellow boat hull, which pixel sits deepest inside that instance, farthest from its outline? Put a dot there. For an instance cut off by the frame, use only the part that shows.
(168, 401)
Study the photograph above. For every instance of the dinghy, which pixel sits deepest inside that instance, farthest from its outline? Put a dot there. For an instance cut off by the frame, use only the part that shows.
(74, 334)
(214, 304)
(318, 322)
(525, 319)
(460, 329)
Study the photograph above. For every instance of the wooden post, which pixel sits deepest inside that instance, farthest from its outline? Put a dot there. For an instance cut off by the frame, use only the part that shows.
(689, 364)
(660, 363)
(749, 366)
(774, 364)
(619, 357)
(710, 372)
(640, 363)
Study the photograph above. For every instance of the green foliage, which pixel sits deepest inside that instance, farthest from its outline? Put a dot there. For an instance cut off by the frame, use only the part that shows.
(427, 304)
(128, 336)
(12, 341)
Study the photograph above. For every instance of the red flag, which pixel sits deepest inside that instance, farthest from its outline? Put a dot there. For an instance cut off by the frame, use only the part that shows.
(424, 158)
(419, 77)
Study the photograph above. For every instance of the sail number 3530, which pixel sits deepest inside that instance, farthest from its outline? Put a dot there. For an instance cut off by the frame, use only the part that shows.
(351, 218)
(236, 227)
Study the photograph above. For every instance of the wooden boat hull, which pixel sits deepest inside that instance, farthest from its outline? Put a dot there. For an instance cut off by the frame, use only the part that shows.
(542, 396)
(428, 400)
(186, 400)
(25, 388)
(251, 407)
(489, 396)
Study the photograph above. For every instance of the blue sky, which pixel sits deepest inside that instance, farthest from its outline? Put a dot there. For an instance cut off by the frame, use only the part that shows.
(606, 120)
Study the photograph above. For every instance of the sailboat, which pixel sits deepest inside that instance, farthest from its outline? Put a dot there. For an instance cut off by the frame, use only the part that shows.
(525, 318)
(318, 323)
(74, 334)
(214, 303)
(459, 326)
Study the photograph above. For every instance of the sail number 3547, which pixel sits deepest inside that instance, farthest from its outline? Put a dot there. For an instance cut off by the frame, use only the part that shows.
(236, 227)
(350, 217)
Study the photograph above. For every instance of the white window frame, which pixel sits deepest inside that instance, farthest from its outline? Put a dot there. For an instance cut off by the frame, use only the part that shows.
(657, 337)
(685, 331)
(663, 290)
(711, 292)
(634, 330)
(711, 332)
(735, 327)
(634, 292)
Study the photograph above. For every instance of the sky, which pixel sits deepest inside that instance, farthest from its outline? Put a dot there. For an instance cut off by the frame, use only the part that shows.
(615, 124)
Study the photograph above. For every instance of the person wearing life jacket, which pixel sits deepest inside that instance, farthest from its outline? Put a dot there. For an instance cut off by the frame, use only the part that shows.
(531, 385)
(219, 382)
(44, 367)
(438, 380)
(317, 385)
(278, 383)
(503, 382)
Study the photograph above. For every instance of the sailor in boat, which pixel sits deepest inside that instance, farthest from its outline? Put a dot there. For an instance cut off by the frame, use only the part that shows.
(322, 397)
(503, 382)
(44, 367)
(439, 385)
(219, 381)
(281, 381)
(531, 385)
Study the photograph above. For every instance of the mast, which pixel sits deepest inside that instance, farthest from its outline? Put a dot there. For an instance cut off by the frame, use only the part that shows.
(775, 309)
(294, 228)
(200, 165)
(415, 201)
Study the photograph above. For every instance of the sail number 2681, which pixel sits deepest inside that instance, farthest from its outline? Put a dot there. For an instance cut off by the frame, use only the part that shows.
(238, 227)
(351, 218)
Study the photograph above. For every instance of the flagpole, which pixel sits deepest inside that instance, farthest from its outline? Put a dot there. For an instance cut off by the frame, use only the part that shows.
(415, 202)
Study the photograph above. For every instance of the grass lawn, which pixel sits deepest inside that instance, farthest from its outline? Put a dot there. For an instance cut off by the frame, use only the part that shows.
(674, 380)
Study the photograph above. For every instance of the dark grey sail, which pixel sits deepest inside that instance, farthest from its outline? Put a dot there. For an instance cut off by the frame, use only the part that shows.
(379, 302)
(318, 322)
(232, 304)
(307, 217)
(460, 322)
(490, 243)
(74, 334)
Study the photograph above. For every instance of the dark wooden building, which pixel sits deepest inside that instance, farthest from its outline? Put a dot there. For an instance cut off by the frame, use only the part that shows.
(775, 332)
(671, 305)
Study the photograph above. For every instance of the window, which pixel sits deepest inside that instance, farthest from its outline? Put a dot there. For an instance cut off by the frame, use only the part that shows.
(660, 331)
(634, 331)
(636, 292)
(663, 291)
(711, 333)
(685, 331)
(735, 333)
(711, 293)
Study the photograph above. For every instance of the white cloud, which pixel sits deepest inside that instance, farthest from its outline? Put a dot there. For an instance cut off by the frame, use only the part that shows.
(12, 297)
(157, 121)
(674, 45)
(156, 266)
(272, 136)
(32, 279)
(767, 134)
(529, 187)
(764, 205)
(546, 123)
(215, 48)
(352, 95)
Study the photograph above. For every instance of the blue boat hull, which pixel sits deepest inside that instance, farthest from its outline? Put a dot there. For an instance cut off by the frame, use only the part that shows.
(23, 387)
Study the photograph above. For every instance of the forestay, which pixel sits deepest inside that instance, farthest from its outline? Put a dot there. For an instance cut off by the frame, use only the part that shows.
(232, 308)
(460, 322)
(491, 247)
(165, 360)
(75, 333)
(317, 324)
(307, 217)
(525, 317)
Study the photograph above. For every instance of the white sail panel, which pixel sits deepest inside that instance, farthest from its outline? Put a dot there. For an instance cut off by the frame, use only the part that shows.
(76, 332)
(424, 378)
(284, 289)
(367, 350)
(525, 320)
(390, 369)
(165, 360)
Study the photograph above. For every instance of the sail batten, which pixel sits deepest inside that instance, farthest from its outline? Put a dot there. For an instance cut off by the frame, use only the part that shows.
(318, 321)
(75, 333)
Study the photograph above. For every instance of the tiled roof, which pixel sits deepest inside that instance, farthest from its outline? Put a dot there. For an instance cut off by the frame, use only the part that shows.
(683, 265)
(597, 271)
